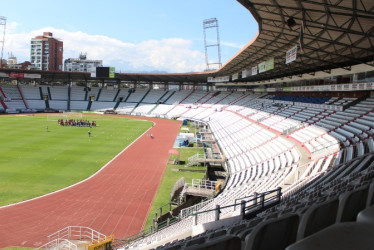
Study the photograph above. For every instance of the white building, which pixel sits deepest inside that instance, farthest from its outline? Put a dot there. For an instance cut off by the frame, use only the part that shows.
(81, 64)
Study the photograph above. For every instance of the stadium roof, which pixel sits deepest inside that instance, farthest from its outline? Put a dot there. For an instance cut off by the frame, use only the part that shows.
(64, 76)
(329, 34)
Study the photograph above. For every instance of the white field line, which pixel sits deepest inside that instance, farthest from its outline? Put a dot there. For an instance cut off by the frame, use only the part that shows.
(60, 190)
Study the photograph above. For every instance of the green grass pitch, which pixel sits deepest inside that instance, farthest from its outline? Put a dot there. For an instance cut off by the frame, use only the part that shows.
(34, 161)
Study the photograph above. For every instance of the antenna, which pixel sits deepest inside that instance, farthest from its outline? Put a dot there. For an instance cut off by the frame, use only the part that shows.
(211, 24)
(2, 41)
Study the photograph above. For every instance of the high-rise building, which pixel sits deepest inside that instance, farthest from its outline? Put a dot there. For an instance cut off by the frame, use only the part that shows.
(82, 64)
(47, 52)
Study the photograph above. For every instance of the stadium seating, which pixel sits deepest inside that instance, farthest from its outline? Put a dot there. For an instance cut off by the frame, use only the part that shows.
(78, 94)
(59, 93)
(102, 106)
(107, 95)
(322, 158)
(339, 145)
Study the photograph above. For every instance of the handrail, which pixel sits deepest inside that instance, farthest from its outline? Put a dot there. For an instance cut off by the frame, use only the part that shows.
(76, 232)
(59, 244)
(148, 231)
(254, 199)
(184, 213)
(260, 204)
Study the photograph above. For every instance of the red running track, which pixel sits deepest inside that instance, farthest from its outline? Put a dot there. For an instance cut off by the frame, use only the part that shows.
(114, 201)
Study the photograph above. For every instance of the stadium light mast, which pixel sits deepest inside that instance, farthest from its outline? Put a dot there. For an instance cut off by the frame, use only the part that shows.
(2, 41)
(212, 23)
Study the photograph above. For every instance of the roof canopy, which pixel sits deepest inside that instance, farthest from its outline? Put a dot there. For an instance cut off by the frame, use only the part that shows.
(331, 34)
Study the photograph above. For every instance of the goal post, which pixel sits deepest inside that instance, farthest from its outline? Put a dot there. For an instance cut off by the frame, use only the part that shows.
(72, 115)
(55, 117)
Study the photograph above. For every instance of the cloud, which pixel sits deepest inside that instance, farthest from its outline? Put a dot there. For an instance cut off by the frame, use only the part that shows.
(232, 45)
(169, 54)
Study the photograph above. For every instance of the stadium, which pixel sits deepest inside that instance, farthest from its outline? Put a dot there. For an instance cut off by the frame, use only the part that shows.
(287, 126)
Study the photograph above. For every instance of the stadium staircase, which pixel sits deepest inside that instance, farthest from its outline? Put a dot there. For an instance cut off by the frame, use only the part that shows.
(86, 94)
(115, 97)
(117, 104)
(89, 105)
(202, 98)
(3, 104)
(42, 97)
(77, 238)
(49, 93)
(69, 98)
(195, 159)
(160, 101)
(223, 98)
(150, 112)
(130, 91)
(46, 104)
(168, 97)
(2, 92)
(41, 93)
(181, 101)
(149, 90)
(23, 98)
(238, 99)
(188, 109)
(215, 94)
(1, 99)
(98, 94)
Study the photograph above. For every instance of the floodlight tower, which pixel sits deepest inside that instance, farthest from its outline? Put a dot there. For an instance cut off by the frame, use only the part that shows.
(2, 41)
(211, 23)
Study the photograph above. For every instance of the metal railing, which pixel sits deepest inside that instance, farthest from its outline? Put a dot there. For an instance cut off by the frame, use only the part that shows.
(195, 158)
(184, 213)
(201, 183)
(77, 233)
(144, 233)
(250, 204)
(59, 244)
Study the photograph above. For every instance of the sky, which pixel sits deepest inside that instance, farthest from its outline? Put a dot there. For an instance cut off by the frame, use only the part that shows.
(131, 35)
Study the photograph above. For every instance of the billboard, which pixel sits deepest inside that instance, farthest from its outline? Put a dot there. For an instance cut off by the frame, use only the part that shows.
(112, 72)
(107, 72)
(291, 54)
(102, 71)
(266, 65)
(261, 67)
(269, 64)
(254, 70)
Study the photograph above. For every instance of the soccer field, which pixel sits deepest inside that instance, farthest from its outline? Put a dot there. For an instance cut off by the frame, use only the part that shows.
(35, 161)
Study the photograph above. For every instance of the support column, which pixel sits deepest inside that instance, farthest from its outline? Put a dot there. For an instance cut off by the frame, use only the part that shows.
(242, 209)
(217, 211)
